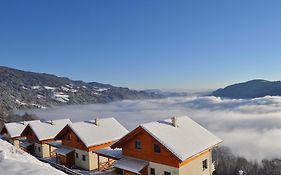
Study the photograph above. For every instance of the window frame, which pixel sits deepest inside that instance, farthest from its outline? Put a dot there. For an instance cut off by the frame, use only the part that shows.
(167, 173)
(205, 164)
(156, 148)
(152, 170)
(138, 145)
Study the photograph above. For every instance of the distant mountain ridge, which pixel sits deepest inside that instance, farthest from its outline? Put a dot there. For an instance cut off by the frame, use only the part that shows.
(21, 89)
(250, 89)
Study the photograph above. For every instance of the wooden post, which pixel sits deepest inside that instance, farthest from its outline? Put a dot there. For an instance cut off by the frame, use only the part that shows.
(98, 162)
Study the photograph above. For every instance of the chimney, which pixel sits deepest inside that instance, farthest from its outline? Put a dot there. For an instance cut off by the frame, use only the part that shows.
(51, 122)
(174, 122)
(97, 122)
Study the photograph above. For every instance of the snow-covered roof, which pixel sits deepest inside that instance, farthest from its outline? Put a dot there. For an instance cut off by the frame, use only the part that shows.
(15, 129)
(63, 151)
(109, 152)
(131, 164)
(25, 144)
(55, 144)
(48, 129)
(91, 134)
(184, 140)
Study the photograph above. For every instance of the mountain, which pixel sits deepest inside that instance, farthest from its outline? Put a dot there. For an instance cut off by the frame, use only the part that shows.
(178, 93)
(250, 89)
(21, 89)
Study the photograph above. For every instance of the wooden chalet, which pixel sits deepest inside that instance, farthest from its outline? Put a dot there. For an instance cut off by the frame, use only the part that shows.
(81, 140)
(176, 146)
(11, 132)
(40, 134)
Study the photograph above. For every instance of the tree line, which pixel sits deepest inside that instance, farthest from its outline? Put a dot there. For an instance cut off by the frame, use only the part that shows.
(230, 164)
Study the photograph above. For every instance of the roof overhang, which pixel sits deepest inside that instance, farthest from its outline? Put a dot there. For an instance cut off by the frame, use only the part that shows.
(63, 151)
(131, 164)
(110, 153)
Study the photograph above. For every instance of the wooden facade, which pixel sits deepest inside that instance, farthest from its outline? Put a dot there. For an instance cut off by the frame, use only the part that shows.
(31, 136)
(67, 160)
(71, 140)
(146, 152)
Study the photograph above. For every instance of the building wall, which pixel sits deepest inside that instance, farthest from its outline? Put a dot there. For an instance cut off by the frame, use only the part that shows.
(44, 150)
(70, 139)
(16, 143)
(193, 166)
(196, 166)
(147, 153)
(160, 169)
(91, 161)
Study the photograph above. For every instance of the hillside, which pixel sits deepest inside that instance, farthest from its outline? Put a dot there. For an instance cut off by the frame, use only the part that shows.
(250, 89)
(14, 161)
(22, 89)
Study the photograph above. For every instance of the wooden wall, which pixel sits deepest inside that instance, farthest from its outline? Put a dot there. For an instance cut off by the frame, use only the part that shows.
(73, 141)
(147, 153)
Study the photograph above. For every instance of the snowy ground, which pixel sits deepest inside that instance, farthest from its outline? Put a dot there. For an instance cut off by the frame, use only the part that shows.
(14, 161)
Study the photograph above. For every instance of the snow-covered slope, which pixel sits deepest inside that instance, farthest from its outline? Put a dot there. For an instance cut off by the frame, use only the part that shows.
(14, 161)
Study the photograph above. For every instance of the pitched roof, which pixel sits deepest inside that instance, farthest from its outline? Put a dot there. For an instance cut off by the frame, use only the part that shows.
(15, 129)
(48, 129)
(185, 140)
(91, 134)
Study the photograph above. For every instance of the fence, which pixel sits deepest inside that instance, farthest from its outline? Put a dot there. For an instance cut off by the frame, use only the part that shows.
(61, 167)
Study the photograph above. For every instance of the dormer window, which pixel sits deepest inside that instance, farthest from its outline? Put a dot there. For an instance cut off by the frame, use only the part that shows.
(156, 148)
(138, 144)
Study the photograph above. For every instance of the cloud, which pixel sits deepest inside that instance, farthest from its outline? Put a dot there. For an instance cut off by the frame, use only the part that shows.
(251, 128)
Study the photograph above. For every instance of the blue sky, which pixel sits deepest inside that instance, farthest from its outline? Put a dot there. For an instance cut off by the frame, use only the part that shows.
(144, 43)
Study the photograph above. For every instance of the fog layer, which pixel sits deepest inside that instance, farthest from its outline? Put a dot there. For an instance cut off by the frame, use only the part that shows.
(251, 128)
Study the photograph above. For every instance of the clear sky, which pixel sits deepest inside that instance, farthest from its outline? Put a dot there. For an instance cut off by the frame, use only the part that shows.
(174, 44)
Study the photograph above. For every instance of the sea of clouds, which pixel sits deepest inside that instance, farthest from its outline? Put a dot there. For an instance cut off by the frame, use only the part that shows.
(251, 128)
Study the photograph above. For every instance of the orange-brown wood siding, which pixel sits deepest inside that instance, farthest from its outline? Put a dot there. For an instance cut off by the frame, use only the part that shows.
(129, 173)
(73, 141)
(143, 172)
(101, 146)
(147, 153)
(67, 160)
(4, 130)
(31, 137)
(194, 158)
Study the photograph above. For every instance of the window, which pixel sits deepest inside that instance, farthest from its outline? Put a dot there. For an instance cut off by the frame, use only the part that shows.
(156, 148)
(152, 171)
(205, 164)
(138, 144)
(83, 157)
(78, 140)
(167, 173)
(35, 147)
(76, 155)
(68, 137)
(39, 149)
